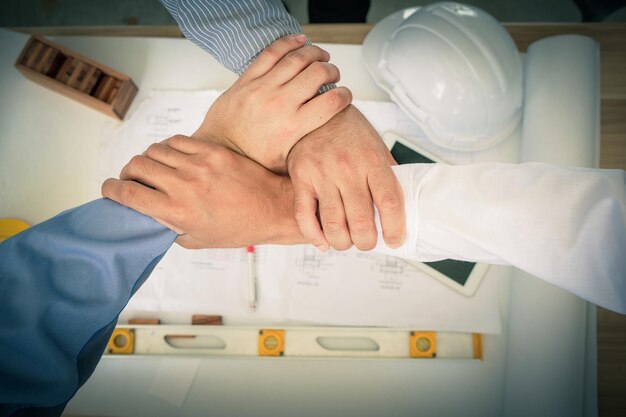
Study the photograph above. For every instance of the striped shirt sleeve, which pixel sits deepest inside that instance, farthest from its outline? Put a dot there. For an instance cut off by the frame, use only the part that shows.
(233, 31)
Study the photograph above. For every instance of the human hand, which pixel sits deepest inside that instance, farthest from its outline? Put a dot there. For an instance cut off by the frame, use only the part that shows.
(345, 166)
(275, 103)
(211, 196)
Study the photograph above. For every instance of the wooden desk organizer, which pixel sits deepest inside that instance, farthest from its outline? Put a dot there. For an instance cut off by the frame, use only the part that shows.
(75, 76)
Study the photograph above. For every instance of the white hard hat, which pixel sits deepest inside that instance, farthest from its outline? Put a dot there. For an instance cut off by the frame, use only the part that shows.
(453, 68)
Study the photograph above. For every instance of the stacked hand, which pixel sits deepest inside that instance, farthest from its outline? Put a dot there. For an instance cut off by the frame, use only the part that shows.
(211, 196)
(274, 103)
(272, 115)
(343, 165)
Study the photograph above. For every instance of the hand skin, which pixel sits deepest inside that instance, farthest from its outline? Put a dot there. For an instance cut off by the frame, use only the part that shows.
(275, 103)
(344, 162)
(215, 198)
(211, 196)
(345, 166)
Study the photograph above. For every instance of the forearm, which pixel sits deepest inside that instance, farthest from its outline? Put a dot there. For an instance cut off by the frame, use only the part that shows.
(564, 225)
(64, 282)
(234, 32)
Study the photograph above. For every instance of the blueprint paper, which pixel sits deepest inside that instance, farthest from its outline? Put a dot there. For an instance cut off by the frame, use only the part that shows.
(368, 289)
(160, 115)
(208, 281)
(298, 282)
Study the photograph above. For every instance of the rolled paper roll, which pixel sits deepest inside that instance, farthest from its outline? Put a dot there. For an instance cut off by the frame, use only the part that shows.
(550, 349)
(561, 123)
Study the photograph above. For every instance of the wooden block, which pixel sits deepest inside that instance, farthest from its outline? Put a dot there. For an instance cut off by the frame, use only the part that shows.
(102, 81)
(50, 61)
(27, 52)
(63, 69)
(108, 89)
(114, 92)
(77, 75)
(91, 77)
(66, 70)
(34, 54)
(144, 321)
(107, 84)
(122, 94)
(201, 319)
(55, 66)
(46, 59)
(98, 87)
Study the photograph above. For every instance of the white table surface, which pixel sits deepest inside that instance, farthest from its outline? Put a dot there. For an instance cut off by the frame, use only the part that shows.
(543, 364)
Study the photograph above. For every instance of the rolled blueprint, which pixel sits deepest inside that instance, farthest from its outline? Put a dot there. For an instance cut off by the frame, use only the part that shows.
(561, 123)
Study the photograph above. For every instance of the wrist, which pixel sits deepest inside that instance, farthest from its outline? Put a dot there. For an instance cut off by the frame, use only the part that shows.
(274, 160)
(218, 140)
(282, 228)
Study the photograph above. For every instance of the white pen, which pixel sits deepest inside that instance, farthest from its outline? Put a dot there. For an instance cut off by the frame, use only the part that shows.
(252, 277)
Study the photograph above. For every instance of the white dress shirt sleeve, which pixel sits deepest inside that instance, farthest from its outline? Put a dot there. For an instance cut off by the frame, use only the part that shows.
(566, 226)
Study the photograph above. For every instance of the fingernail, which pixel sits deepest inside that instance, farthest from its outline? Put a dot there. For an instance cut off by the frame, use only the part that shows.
(396, 244)
(300, 38)
(322, 247)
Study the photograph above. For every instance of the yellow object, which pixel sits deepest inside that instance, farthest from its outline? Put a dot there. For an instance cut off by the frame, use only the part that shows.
(122, 342)
(271, 342)
(11, 227)
(478, 345)
(423, 344)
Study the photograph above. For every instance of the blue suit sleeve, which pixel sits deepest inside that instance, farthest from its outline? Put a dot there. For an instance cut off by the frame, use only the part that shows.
(63, 284)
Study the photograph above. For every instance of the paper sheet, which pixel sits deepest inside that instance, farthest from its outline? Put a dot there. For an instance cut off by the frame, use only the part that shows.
(207, 282)
(160, 115)
(368, 289)
(298, 282)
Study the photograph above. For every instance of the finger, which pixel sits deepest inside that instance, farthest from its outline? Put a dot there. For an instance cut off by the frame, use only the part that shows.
(306, 85)
(333, 219)
(305, 211)
(389, 199)
(270, 56)
(138, 197)
(359, 209)
(322, 108)
(166, 155)
(294, 63)
(148, 172)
